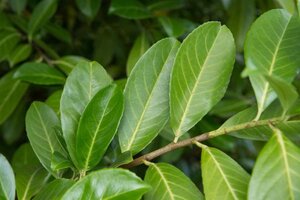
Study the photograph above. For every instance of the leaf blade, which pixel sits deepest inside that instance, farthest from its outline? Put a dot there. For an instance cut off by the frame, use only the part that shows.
(7, 180)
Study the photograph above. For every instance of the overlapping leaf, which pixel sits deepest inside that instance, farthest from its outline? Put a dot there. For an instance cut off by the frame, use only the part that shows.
(20, 53)
(146, 97)
(131, 9)
(8, 40)
(276, 172)
(89, 8)
(7, 180)
(201, 74)
(169, 183)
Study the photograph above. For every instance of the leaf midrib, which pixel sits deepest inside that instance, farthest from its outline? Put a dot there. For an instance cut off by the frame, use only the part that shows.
(17, 83)
(29, 183)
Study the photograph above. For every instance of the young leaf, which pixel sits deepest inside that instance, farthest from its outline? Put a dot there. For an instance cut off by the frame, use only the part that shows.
(54, 190)
(271, 49)
(19, 54)
(98, 125)
(108, 184)
(42, 12)
(223, 178)
(18, 5)
(39, 73)
(41, 121)
(7, 180)
(9, 38)
(85, 80)
(200, 75)
(286, 92)
(169, 183)
(146, 97)
(30, 174)
(67, 63)
(131, 9)
(276, 172)
(89, 8)
(139, 47)
(11, 92)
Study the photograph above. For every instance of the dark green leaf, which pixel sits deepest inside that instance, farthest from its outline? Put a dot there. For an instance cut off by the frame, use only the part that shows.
(131, 9)
(59, 32)
(146, 97)
(161, 5)
(169, 183)
(19, 54)
(8, 40)
(98, 125)
(90, 8)
(82, 84)
(54, 101)
(200, 75)
(175, 27)
(67, 63)
(60, 161)
(7, 180)
(39, 73)
(18, 5)
(114, 184)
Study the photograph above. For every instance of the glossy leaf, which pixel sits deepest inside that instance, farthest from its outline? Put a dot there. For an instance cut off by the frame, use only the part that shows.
(200, 75)
(7, 180)
(42, 12)
(39, 73)
(54, 190)
(19, 54)
(54, 101)
(146, 97)
(89, 8)
(18, 5)
(139, 47)
(115, 184)
(85, 80)
(98, 125)
(270, 49)
(276, 171)
(223, 178)
(8, 40)
(41, 121)
(67, 63)
(131, 9)
(169, 183)
(11, 92)
(30, 174)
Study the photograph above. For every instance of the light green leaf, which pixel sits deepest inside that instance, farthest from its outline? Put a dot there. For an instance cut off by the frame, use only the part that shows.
(54, 190)
(271, 49)
(9, 38)
(114, 184)
(223, 178)
(200, 75)
(98, 125)
(131, 9)
(30, 174)
(42, 12)
(67, 63)
(146, 97)
(169, 183)
(41, 122)
(289, 5)
(82, 84)
(19, 54)
(139, 47)
(39, 73)
(54, 101)
(18, 5)
(11, 92)
(90, 8)
(7, 180)
(286, 92)
(276, 171)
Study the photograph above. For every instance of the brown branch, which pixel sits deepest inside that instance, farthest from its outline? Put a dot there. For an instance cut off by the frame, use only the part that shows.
(205, 136)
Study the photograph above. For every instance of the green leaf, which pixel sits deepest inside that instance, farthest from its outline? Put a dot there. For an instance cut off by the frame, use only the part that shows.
(146, 97)
(131, 9)
(271, 49)
(286, 92)
(98, 125)
(289, 5)
(30, 174)
(223, 178)
(276, 171)
(166, 5)
(42, 12)
(11, 92)
(41, 121)
(241, 14)
(200, 75)
(140, 46)
(19, 54)
(67, 63)
(108, 184)
(85, 80)
(228, 107)
(175, 27)
(54, 101)
(60, 161)
(90, 8)
(7, 180)
(18, 5)
(39, 73)
(8, 40)
(59, 33)
(169, 183)
(54, 190)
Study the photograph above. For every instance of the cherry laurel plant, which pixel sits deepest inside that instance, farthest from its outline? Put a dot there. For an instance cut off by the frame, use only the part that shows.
(91, 144)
